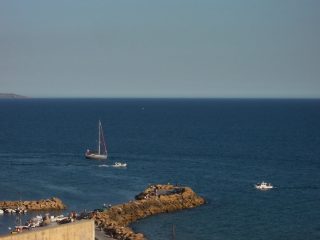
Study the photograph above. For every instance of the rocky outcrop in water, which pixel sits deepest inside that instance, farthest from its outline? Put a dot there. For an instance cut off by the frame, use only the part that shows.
(154, 200)
(44, 204)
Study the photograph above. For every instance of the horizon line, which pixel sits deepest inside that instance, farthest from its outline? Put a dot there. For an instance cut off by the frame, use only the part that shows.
(173, 98)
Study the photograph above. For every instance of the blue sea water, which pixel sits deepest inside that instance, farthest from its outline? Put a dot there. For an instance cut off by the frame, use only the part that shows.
(220, 148)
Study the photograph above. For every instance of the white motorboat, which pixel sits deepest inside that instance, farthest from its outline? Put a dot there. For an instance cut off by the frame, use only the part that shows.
(36, 221)
(20, 211)
(57, 218)
(102, 153)
(9, 210)
(263, 186)
(119, 164)
(1, 211)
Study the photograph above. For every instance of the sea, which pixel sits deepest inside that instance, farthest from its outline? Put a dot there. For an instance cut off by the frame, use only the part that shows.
(219, 147)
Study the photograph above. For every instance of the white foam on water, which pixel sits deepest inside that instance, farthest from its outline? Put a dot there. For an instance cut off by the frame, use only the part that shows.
(104, 165)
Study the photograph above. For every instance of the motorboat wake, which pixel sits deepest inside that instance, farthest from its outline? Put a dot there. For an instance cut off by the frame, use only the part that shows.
(104, 165)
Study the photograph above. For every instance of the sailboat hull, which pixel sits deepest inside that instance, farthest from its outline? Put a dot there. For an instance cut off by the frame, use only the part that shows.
(96, 156)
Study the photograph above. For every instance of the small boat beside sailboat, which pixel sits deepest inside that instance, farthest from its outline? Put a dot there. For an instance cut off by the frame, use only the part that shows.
(101, 153)
(119, 165)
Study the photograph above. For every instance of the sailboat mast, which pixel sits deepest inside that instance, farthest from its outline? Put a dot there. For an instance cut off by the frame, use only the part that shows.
(104, 146)
(99, 137)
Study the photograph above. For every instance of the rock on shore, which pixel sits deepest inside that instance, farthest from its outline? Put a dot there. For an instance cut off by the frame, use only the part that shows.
(44, 204)
(154, 200)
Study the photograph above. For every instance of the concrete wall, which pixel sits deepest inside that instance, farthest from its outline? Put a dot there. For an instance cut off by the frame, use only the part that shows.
(80, 230)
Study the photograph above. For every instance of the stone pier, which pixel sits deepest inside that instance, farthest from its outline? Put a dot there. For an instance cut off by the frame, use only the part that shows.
(44, 204)
(155, 199)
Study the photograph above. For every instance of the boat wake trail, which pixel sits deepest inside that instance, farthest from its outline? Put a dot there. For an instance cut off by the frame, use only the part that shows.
(116, 165)
(104, 165)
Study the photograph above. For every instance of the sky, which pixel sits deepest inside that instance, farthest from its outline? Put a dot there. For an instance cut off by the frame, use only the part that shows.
(167, 48)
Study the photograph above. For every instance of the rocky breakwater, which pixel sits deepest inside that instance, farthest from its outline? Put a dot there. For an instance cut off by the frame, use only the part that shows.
(154, 200)
(44, 204)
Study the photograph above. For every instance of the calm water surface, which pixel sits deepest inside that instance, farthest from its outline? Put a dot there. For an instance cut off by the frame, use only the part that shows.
(218, 147)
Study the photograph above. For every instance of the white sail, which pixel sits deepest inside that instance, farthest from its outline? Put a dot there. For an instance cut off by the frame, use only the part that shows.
(102, 142)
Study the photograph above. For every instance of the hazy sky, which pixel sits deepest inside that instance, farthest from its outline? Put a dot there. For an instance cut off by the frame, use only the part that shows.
(163, 48)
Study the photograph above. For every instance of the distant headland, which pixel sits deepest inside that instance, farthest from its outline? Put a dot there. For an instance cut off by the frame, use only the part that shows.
(11, 96)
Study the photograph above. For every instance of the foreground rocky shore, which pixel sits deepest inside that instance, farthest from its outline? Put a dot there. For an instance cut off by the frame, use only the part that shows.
(154, 200)
(44, 204)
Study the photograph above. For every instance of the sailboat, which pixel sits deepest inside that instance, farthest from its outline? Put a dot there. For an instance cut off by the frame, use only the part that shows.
(102, 153)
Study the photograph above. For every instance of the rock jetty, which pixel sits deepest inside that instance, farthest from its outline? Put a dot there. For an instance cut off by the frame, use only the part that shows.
(154, 200)
(44, 204)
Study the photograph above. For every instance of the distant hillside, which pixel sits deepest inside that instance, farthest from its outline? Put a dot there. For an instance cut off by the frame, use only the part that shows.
(10, 96)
